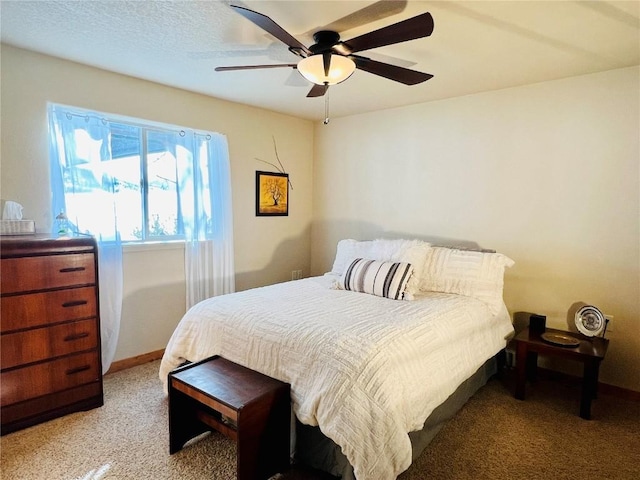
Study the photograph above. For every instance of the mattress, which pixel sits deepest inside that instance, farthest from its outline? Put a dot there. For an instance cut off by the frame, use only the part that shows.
(366, 370)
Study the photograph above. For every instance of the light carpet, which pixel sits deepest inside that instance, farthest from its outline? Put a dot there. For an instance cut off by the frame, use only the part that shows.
(493, 437)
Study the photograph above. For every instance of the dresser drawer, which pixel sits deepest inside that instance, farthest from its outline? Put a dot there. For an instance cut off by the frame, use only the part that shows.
(44, 272)
(37, 309)
(40, 409)
(45, 378)
(42, 343)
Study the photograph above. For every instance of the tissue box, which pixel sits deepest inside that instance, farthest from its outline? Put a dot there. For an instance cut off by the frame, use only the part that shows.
(17, 227)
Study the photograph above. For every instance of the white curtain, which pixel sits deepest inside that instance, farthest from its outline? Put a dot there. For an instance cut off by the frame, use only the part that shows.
(84, 139)
(80, 150)
(205, 205)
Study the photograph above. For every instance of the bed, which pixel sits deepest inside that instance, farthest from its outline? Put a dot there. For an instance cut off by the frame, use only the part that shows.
(373, 358)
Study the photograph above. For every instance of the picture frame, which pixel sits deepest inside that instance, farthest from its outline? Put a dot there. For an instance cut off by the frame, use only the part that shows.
(272, 194)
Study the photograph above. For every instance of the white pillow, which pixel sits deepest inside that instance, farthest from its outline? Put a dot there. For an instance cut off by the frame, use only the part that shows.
(384, 279)
(346, 253)
(474, 274)
(397, 250)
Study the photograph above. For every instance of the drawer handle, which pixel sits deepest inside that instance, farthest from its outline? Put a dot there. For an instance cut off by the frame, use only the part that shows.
(71, 371)
(74, 303)
(76, 336)
(72, 269)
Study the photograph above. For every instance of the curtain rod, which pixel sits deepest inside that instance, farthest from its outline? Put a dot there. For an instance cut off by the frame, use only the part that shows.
(87, 116)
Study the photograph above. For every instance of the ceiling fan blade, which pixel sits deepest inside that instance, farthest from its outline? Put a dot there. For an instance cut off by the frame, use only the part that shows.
(392, 72)
(272, 27)
(376, 11)
(410, 29)
(317, 90)
(254, 67)
(228, 52)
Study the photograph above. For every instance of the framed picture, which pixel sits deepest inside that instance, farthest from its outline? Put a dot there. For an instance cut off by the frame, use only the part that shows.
(272, 194)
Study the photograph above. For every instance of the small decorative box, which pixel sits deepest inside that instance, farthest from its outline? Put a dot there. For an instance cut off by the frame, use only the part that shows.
(17, 227)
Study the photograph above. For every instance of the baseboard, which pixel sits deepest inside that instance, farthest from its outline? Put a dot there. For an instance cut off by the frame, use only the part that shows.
(135, 361)
(619, 392)
(603, 388)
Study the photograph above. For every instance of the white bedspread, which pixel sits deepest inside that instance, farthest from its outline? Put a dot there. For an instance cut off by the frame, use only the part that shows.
(366, 369)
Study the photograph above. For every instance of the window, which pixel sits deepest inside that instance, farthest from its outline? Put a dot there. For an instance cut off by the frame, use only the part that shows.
(122, 179)
(146, 177)
(126, 180)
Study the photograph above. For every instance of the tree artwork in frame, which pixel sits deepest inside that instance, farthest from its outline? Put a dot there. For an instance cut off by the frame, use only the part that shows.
(272, 194)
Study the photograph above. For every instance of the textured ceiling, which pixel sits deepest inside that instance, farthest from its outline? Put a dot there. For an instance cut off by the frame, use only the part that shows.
(476, 45)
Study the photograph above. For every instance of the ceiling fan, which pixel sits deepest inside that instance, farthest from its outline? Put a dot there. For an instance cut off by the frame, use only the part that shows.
(330, 60)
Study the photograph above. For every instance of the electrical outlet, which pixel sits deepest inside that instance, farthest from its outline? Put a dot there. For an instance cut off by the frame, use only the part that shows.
(609, 323)
(294, 274)
(299, 274)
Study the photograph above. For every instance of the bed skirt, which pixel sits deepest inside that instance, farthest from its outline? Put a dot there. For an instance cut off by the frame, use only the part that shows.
(317, 451)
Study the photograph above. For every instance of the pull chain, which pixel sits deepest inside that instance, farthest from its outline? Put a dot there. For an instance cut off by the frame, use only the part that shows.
(326, 104)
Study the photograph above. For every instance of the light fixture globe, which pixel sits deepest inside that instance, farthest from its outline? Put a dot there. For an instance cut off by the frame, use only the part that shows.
(312, 68)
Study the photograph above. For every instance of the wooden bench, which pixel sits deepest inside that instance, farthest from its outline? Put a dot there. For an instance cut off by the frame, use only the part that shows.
(251, 408)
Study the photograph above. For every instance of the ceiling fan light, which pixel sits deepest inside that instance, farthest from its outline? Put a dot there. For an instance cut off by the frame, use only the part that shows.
(312, 68)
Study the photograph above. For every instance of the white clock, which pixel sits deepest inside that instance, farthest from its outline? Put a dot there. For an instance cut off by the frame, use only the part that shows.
(590, 321)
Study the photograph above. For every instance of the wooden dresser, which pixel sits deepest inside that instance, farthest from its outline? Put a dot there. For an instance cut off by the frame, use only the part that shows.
(50, 329)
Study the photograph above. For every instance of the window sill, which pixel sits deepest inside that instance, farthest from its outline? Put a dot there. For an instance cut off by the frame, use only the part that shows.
(149, 246)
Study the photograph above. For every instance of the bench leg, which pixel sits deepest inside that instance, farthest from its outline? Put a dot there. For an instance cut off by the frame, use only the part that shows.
(183, 422)
(264, 437)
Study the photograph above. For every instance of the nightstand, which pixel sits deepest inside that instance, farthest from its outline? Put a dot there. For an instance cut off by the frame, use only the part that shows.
(590, 352)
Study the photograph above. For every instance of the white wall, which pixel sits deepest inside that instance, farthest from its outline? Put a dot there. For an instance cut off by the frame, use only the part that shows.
(547, 174)
(266, 249)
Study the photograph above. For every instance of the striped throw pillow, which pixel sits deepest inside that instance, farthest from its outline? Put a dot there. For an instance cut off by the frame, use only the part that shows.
(384, 279)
